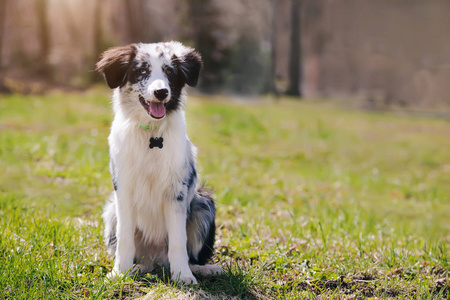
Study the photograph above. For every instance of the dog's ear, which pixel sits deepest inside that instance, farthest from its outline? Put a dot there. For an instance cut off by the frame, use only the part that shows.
(114, 63)
(190, 65)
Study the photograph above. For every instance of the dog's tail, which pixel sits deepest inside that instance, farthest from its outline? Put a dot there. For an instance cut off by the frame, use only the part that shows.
(201, 227)
(110, 221)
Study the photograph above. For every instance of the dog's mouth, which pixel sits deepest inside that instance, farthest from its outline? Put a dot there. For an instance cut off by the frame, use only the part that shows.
(156, 110)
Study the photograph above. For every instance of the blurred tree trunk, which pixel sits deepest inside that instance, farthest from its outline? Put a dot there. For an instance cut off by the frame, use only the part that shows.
(295, 62)
(270, 84)
(132, 34)
(98, 37)
(314, 25)
(44, 36)
(2, 26)
(69, 21)
(135, 12)
(205, 21)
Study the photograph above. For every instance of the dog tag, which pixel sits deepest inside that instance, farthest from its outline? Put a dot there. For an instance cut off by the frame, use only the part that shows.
(156, 142)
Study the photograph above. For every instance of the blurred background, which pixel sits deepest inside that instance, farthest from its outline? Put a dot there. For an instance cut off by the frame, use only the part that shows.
(383, 52)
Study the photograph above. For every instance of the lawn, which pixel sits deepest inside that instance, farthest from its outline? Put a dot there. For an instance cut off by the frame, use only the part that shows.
(314, 201)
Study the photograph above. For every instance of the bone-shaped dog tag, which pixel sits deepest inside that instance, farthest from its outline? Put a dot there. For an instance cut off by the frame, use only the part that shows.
(156, 142)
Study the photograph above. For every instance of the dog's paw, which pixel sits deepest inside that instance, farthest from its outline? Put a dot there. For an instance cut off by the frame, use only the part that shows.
(207, 269)
(114, 275)
(188, 279)
(185, 279)
(139, 268)
(214, 270)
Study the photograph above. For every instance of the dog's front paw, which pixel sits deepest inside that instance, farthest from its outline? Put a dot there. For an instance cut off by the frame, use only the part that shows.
(114, 275)
(185, 278)
(189, 279)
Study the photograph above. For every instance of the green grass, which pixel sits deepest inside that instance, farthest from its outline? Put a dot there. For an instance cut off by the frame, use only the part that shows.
(314, 201)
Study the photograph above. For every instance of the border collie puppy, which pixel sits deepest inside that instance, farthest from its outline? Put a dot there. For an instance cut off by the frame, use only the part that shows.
(156, 215)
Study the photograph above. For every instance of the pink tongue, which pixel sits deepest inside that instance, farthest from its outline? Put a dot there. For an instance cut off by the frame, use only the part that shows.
(157, 110)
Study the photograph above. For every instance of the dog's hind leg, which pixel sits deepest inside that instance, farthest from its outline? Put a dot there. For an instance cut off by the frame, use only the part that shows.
(201, 230)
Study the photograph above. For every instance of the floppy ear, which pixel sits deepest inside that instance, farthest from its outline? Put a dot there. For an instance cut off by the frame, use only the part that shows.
(190, 65)
(114, 63)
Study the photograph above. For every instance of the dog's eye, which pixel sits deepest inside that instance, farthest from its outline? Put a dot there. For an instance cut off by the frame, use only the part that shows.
(168, 71)
(142, 71)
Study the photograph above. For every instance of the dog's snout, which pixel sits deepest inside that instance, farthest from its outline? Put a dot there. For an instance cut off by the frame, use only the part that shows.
(161, 94)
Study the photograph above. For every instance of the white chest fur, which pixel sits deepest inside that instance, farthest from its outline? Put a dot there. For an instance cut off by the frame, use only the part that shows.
(148, 179)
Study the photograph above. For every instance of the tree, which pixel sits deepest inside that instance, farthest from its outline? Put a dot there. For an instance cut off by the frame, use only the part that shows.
(98, 36)
(136, 18)
(205, 20)
(295, 62)
(271, 86)
(2, 26)
(44, 36)
(75, 33)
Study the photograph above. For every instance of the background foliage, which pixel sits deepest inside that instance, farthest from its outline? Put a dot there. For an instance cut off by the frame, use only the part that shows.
(387, 53)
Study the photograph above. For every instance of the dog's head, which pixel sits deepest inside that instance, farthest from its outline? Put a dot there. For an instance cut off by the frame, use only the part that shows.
(151, 76)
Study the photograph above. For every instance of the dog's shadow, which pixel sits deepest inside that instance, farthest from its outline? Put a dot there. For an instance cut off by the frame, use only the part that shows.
(233, 283)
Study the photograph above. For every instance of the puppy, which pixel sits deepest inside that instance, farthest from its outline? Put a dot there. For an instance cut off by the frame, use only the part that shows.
(156, 214)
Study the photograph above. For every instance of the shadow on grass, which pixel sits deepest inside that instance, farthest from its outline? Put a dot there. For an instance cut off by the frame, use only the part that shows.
(238, 282)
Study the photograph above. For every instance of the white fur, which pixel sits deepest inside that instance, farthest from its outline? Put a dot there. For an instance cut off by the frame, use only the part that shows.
(154, 211)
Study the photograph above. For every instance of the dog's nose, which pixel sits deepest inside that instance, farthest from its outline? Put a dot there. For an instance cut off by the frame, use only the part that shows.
(161, 94)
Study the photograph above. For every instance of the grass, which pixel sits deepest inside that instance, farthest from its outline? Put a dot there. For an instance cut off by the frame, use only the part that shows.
(314, 201)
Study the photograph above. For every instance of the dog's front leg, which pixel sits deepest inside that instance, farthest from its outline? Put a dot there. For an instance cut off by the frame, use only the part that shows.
(126, 224)
(175, 215)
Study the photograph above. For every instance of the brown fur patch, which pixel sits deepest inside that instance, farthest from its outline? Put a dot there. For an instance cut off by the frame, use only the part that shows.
(114, 63)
